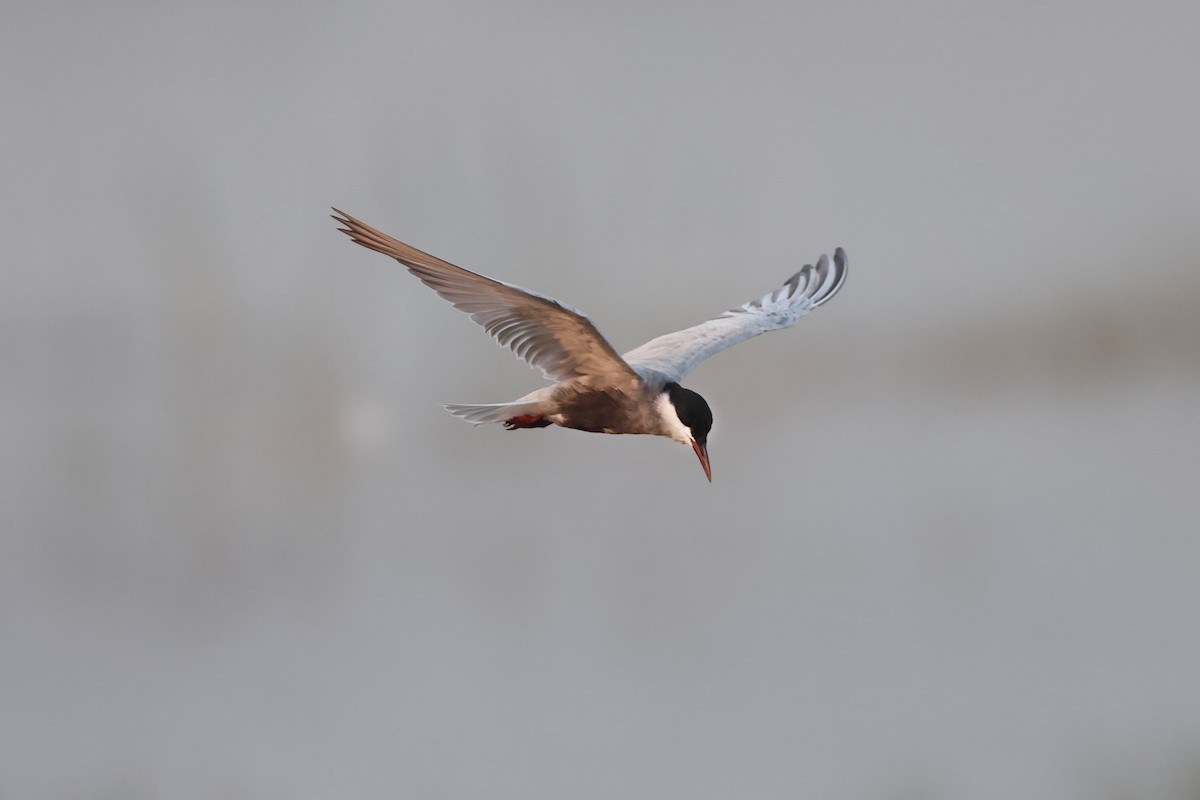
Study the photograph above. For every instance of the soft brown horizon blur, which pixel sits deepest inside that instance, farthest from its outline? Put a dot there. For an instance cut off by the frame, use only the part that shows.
(951, 544)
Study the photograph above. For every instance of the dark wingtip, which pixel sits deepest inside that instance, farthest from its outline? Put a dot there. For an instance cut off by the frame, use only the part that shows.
(841, 266)
(342, 218)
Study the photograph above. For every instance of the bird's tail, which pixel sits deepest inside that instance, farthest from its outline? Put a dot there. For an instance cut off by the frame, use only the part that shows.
(498, 412)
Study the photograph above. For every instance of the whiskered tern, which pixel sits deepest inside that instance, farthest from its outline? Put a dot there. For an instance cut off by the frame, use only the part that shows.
(595, 389)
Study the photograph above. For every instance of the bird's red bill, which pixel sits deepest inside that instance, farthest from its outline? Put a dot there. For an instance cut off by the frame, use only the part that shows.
(702, 454)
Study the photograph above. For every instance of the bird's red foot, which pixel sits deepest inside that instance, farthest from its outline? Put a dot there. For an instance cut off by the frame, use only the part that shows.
(526, 421)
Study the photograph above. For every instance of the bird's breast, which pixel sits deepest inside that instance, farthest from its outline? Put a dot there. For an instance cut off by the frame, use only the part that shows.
(602, 410)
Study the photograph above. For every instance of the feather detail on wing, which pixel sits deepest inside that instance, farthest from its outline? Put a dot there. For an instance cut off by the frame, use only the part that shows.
(555, 338)
(674, 355)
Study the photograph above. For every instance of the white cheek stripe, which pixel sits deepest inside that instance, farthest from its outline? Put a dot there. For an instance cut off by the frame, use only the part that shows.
(675, 427)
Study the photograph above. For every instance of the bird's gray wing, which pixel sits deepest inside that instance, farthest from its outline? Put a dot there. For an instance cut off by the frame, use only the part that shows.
(556, 339)
(676, 354)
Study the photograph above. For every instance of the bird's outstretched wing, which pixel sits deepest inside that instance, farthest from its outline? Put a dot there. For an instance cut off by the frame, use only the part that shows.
(556, 339)
(676, 354)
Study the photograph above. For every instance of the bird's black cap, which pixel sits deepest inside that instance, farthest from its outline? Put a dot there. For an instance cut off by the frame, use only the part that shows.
(692, 409)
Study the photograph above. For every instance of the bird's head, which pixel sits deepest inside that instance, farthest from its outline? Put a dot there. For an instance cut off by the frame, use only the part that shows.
(688, 420)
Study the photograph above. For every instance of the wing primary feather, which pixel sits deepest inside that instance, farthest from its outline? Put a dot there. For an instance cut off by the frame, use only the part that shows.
(834, 280)
(547, 334)
(674, 355)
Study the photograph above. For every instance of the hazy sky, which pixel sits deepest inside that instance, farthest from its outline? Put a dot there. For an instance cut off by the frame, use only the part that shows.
(951, 544)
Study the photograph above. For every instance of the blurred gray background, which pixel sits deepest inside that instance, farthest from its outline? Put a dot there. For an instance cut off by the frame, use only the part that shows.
(952, 544)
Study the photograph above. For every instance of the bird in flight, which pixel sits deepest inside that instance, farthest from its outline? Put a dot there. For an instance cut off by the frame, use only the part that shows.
(595, 389)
